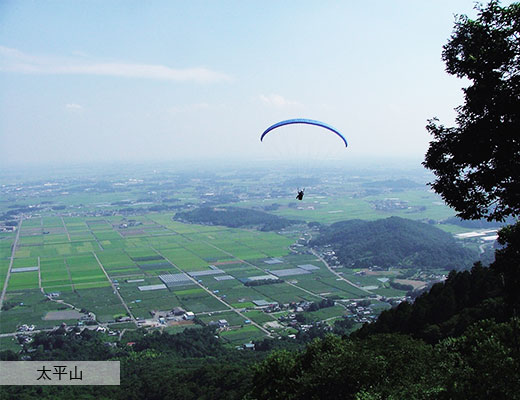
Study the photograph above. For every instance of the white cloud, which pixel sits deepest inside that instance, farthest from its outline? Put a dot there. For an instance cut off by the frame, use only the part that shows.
(73, 106)
(278, 101)
(13, 60)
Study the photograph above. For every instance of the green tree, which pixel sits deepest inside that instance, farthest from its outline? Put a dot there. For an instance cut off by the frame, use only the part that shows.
(481, 363)
(477, 162)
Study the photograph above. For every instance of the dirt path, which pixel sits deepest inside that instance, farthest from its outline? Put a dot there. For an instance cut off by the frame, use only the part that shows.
(65, 227)
(68, 272)
(13, 252)
(338, 275)
(115, 290)
(40, 276)
(215, 296)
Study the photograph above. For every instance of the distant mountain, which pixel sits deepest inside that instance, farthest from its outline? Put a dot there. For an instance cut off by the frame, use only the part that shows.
(394, 242)
(234, 217)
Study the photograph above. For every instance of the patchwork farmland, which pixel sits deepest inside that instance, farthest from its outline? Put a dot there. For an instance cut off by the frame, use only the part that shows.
(118, 271)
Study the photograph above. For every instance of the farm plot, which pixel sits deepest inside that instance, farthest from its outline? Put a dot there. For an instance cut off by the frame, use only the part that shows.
(58, 238)
(281, 293)
(25, 262)
(177, 227)
(6, 240)
(325, 313)
(28, 307)
(240, 296)
(205, 251)
(112, 244)
(389, 291)
(240, 271)
(4, 267)
(164, 241)
(32, 222)
(270, 244)
(85, 272)
(231, 317)
(27, 230)
(23, 281)
(99, 300)
(142, 302)
(33, 239)
(259, 317)
(317, 285)
(81, 236)
(242, 335)
(184, 259)
(238, 250)
(42, 251)
(348, 291)
(50, 222)
(117, 263)
(198, 300)
(54, 274)
(98, 225)
(75, 222)
(106, 235)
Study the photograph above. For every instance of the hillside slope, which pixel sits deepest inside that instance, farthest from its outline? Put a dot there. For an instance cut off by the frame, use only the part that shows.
(234, 217)
(394, 242)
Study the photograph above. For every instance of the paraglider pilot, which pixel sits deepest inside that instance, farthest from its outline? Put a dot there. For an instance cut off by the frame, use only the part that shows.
(300, 194)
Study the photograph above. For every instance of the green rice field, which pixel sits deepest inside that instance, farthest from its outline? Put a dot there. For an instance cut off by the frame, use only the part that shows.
(82, 261)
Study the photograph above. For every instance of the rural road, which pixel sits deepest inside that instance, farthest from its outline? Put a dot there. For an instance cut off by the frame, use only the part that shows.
(10, 263)
(215, 296)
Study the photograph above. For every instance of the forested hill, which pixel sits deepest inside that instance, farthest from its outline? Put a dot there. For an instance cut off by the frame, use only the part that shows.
(394, 242)
(234, 217)
(447, 309)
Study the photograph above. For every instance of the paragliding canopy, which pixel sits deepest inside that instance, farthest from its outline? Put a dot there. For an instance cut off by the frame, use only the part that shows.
(304, 121)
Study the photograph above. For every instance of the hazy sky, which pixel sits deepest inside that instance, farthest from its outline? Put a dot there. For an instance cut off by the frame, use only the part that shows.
(163, 80)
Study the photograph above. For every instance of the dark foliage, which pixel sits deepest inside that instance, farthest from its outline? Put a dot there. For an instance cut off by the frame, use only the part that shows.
(447, 309)
(507, 264)
(394, 242)
(324, 303)
(480, 364)
(234, 217)
(477, 162)
(189, 343)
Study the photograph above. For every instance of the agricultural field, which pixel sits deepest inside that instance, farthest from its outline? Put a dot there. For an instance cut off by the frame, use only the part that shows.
(80, 262)
(111, 247)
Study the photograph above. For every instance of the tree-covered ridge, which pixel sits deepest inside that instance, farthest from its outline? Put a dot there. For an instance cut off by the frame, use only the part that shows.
(482, 363)
(234, 217)
(189, 365)
(447, 309)
(394, 242)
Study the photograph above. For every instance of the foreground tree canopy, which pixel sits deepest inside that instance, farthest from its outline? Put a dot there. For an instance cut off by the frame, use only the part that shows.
(477, 162)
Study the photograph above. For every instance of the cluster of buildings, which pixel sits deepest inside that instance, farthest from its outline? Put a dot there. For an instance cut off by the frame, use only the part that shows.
(361, 312)
(329, 256)
(25, 328)
(222, 324)
(7, 228)
(177, 314)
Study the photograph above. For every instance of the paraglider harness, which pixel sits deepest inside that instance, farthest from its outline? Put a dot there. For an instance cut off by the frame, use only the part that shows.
(300, 194)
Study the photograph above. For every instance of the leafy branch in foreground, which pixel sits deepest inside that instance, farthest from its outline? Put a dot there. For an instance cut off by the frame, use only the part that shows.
(477, 162)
